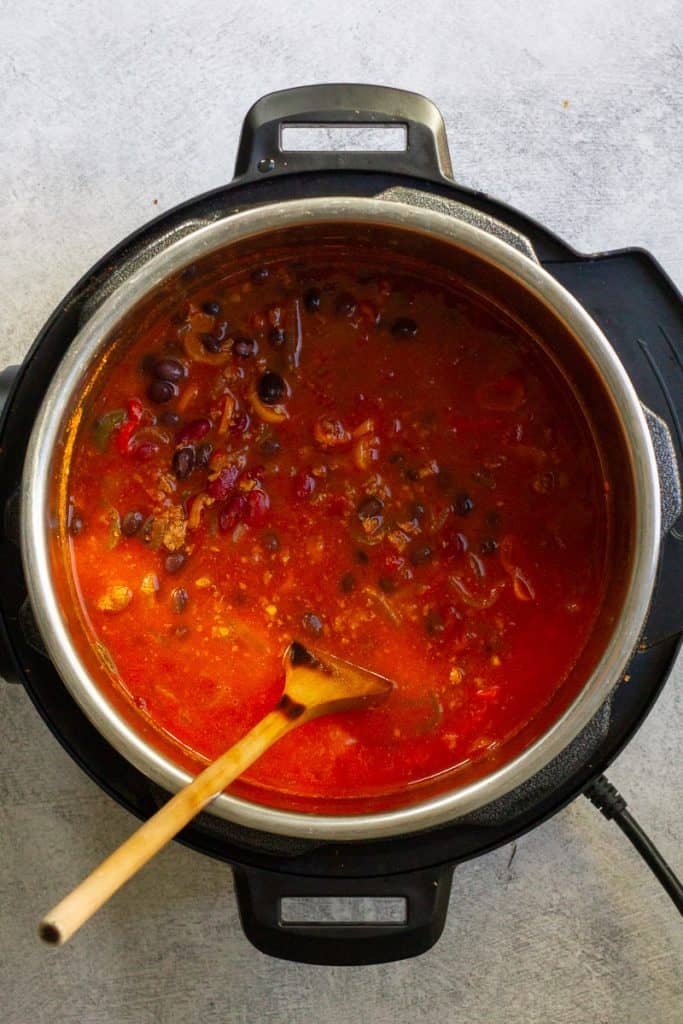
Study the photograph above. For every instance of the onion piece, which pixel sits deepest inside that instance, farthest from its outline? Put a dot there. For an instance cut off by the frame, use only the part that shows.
(331, 433)
(267, 413)
(522, 587)
(472, 600)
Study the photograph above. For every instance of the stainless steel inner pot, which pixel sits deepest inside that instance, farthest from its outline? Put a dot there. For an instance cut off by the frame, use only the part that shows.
(493, 260)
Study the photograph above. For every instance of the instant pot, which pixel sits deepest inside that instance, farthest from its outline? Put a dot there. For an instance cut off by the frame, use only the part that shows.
(613, 321)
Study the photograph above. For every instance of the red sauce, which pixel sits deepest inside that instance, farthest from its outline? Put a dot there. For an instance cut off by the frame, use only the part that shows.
(416, 489)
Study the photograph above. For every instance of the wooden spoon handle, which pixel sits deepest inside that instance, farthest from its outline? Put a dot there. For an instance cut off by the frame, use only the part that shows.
(75, 909)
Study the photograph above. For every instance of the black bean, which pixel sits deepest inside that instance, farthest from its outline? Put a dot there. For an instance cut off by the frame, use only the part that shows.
(76, 522)
(346, 305)
(243, 347)
(493, 518)
(271, 541)
(397, 458)
(269, 445)
(271, 388)
(169, 419)
(312, 623)
(211, 343)
(411, 474)
(131, 523)
(169, 369)
(369, 507)
(260, 275)
(211, 308)
(161, 391)
(362, 557)
(387, 584)
(347, 583)
(146, 531)
(434, 622)
(489, 545)
(203, 454)
(175, 561)
(312, 300)
(404, 327)
(184, 461)
(179, 599)
(463, 504)
(417, 510)
(421, 554)
(277, 337)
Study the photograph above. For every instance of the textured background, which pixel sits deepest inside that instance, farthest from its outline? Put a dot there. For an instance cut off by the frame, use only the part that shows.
(108, 107)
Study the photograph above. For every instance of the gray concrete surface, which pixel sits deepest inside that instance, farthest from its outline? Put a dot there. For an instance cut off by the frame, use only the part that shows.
(113, 112)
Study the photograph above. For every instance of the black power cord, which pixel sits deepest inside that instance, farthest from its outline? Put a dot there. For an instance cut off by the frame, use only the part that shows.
(612, 806)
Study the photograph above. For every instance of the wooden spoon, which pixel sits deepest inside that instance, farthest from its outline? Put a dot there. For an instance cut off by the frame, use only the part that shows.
(315, 684)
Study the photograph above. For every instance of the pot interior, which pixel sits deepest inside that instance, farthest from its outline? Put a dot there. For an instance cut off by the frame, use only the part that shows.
(440, 259)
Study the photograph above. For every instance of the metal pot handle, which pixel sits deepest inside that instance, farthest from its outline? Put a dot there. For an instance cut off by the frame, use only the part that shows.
(260, 153)
(260, 894)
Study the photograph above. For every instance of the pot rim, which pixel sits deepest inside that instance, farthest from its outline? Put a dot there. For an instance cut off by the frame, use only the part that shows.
(263, 220)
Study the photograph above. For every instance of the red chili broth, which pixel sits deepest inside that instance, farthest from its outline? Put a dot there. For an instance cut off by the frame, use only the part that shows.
(430, 505)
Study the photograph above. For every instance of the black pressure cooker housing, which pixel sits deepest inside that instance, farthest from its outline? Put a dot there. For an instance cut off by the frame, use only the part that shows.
(640, 311)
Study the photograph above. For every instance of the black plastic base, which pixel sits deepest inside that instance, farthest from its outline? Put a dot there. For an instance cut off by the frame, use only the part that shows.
(642, 315)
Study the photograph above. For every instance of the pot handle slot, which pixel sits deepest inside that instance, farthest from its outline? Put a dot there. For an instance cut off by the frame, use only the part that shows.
(665, 618)
(260, 152)
(408, 913)
(667, 469)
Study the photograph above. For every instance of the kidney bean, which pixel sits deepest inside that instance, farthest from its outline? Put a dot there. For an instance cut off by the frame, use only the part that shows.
(258, 504)
(193, 431)
(144, 451)
(233, 512)
(224, 483)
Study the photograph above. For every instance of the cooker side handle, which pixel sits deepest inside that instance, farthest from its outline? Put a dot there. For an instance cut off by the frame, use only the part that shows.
(260, 153)
(334, 942)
